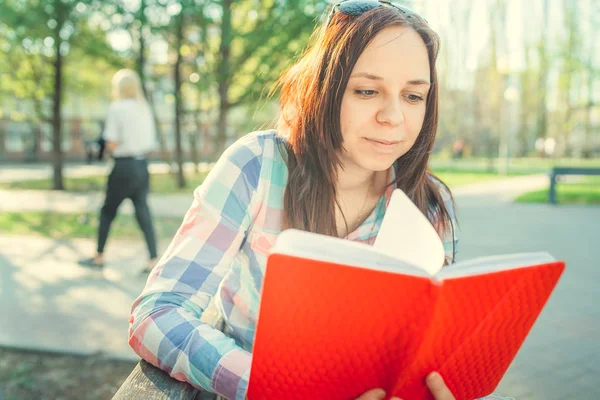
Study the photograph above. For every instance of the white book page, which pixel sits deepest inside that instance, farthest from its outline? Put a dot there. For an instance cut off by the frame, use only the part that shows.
(331, 249)
(340, 251)
(483, 265)
(406, 234)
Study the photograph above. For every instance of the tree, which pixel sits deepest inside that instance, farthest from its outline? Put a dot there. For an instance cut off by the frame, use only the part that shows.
(250, 56)
(591, 73)
(50, 30)
(542, 114)
(179, 26)
(571, 65)
(527, 109)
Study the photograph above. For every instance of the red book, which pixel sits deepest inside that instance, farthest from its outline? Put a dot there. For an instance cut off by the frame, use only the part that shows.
(338, 318)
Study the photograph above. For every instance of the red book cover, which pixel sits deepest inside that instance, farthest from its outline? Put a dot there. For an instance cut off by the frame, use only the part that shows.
(338, 318)
(331, 332)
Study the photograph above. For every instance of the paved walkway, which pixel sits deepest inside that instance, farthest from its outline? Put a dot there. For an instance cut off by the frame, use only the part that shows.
(172, 205)
(47, 301)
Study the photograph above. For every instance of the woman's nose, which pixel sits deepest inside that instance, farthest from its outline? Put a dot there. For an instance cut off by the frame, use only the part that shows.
(391, 114)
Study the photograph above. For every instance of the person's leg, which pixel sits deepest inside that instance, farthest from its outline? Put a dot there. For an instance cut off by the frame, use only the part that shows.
(116, 192)
(142, 211)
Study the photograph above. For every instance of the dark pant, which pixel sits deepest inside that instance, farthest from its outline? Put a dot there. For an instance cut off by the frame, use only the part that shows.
(129, 179)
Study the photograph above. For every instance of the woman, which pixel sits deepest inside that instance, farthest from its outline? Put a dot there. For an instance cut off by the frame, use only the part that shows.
(130, 135)
(358, 118)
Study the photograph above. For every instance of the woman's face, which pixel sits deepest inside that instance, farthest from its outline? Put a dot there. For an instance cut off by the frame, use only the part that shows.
(383, 106)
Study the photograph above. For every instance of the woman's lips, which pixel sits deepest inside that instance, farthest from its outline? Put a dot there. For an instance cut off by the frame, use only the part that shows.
(385, 146)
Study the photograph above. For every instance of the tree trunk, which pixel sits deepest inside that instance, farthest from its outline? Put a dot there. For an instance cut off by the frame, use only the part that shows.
(37, 141)
(194, 151)
(177, 67)
(223, 77)
(566, 77)
(542, 117)
(495, 89)
(141, 59)
(3, 134)
(588, 116)
(56, 118)
(140, 67)
(525, 110)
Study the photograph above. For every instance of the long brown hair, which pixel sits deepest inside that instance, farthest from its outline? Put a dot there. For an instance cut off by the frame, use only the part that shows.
(311, 97)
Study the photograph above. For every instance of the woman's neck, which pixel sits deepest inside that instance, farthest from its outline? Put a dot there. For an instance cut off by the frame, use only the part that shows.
(358, 180)
(353, 179)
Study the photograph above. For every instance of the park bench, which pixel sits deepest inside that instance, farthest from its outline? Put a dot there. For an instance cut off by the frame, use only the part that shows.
(147, 382)
(559, 171)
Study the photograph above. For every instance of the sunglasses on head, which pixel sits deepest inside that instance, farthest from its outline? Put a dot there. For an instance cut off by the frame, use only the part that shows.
(358, 7)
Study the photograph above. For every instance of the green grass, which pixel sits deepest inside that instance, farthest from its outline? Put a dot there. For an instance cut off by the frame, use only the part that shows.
(454, 178)
(59, 226)
(159, 183)
(519, 166)
(454, 173)
(165, 183)
(585, 192)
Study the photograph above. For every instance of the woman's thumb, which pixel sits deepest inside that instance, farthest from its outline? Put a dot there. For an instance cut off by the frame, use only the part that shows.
(374, 394)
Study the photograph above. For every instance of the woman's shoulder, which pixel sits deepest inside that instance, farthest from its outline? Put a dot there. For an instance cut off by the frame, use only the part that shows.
(256, 154)
(257, 145)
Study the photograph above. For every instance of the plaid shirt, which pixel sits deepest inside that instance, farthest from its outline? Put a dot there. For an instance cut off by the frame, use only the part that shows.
(213, 269)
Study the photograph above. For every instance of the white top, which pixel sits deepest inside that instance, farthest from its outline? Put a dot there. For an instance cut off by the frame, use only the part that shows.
(130, 124)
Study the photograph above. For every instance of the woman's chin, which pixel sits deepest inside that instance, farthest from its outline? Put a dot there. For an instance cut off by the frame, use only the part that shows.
(377, 165)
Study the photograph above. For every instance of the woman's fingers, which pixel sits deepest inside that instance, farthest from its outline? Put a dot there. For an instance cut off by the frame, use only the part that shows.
(434, 382)
(373, 394)
(438, 388)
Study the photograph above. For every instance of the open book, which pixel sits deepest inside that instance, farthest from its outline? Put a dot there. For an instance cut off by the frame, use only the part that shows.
(338, 318)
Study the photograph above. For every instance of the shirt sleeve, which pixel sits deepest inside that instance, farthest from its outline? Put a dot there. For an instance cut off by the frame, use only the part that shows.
(165, 324)
(111, 128)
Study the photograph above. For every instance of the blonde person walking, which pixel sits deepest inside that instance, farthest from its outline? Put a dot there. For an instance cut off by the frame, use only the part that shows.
(130, 135)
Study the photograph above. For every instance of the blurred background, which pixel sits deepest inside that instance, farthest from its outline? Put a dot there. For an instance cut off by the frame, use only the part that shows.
(519, 96)
(517, 79)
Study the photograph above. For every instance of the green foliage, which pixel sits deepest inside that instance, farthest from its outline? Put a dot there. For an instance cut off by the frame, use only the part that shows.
(581, 191)
(30, 32)
(258, 55)
(454, 179)
(264, 36)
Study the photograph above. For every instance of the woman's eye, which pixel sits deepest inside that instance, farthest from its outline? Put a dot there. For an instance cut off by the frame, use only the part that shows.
(366, 93)
(414, 98)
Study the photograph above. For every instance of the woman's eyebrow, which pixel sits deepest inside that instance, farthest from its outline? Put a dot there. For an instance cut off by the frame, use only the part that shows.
(419, 82)
(368, 75)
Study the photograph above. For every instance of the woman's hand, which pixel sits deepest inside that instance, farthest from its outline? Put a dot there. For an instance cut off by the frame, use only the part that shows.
(374, 394)
(438, 388)
(434, 382)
